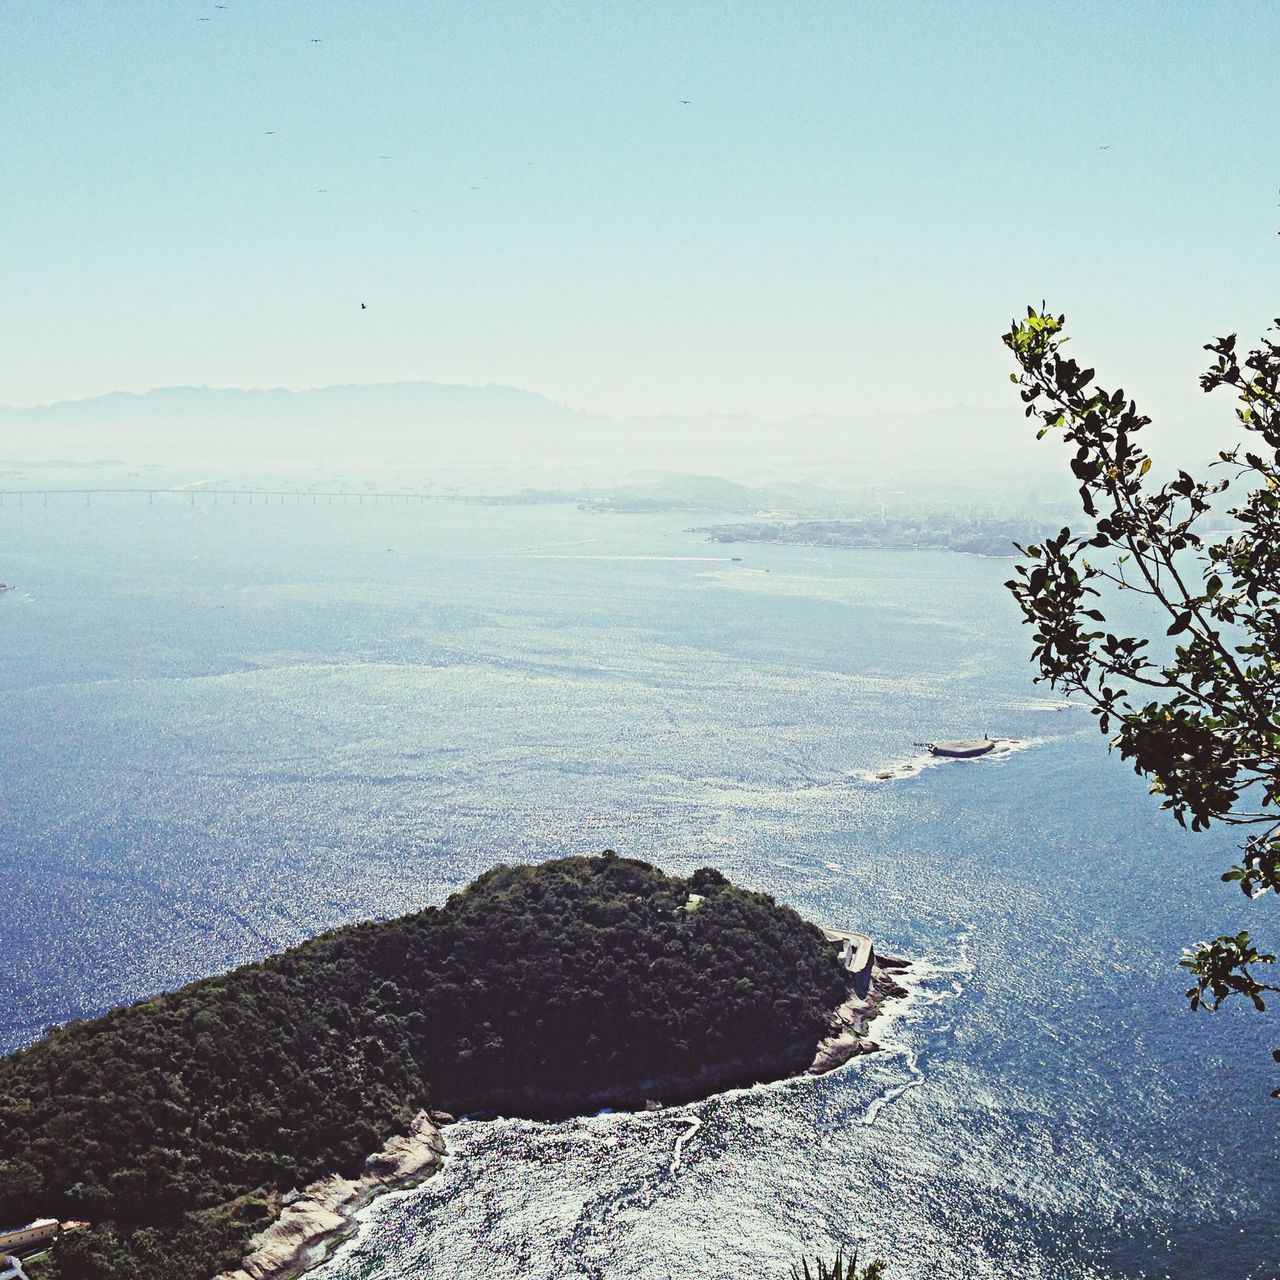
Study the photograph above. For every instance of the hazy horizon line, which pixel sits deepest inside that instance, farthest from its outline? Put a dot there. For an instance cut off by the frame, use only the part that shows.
(567, 406)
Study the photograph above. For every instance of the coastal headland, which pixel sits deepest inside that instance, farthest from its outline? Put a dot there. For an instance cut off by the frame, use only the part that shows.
(183, 1126)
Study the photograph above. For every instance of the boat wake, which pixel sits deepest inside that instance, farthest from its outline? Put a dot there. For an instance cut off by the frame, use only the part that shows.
(1043, 704)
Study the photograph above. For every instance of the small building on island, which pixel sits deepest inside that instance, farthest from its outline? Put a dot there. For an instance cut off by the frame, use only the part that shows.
(857, 952)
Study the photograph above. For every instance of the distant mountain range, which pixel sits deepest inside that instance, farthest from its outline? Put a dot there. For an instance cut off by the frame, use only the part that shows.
(435, 424)
(397, 402)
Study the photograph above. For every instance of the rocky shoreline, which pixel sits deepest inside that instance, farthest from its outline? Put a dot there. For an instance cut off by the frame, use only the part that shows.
(315, 1220)
(847, 1038)
(323, 1214)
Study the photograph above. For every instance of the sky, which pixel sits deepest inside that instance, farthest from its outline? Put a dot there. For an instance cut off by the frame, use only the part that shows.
(842, 217)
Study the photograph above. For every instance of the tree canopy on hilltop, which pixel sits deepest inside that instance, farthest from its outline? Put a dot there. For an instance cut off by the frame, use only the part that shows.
(176, 1124)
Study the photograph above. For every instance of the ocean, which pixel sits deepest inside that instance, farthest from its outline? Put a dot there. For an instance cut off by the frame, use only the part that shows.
(228, 729)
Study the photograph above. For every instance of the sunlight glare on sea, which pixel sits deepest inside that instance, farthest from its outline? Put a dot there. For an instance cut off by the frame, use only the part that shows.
(230, 729)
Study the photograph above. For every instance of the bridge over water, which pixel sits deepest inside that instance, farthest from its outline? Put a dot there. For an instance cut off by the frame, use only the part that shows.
(18, 498)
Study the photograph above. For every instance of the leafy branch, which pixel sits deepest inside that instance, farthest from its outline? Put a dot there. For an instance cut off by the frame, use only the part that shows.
(1202, 722)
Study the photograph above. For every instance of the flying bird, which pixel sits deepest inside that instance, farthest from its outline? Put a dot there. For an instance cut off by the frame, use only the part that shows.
(1106, 148)
(315, 40)
(270, 132)
(686, 102)
(363, 307)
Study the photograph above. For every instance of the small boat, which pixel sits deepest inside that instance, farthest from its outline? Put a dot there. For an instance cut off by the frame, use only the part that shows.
(960, 748)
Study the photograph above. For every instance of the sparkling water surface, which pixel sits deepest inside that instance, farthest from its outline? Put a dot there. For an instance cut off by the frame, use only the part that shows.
(229, 729)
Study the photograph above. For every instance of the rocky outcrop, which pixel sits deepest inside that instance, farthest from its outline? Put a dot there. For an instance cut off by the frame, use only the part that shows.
(847, 1036)
(314, 1219)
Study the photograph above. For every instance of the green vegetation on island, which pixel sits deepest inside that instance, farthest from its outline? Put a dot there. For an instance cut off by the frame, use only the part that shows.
(176, 1125)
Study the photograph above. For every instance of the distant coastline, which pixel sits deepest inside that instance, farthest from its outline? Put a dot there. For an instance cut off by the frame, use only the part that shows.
(975, 537)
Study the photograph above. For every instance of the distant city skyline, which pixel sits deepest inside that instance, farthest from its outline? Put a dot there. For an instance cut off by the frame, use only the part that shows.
(764, 209)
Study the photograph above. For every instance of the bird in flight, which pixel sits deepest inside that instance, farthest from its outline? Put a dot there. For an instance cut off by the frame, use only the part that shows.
(270, 132)
(315, 40)
(384, 157)
(202, 19)
(1106, 148)
(363, 307)
(686, 102)
(321, 191)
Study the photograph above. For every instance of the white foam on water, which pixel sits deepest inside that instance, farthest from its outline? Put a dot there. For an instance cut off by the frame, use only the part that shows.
(916, 765)
(878, 1104)
(694, 1123)
(910, 1009)
(1043, 704)
(912, 768)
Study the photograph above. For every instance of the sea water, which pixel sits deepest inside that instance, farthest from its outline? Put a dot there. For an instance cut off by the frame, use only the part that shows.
(227, 729)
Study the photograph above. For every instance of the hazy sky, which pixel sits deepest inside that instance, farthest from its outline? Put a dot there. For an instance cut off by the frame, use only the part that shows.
(843, 218)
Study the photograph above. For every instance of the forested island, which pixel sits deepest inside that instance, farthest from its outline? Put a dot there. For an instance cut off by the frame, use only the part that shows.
(178, 1126)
